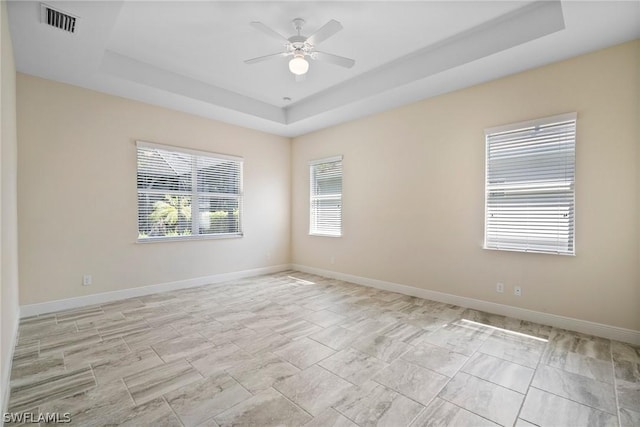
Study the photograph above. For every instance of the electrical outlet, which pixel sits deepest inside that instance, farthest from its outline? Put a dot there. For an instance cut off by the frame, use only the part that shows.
(517, 291)
(86, 280)
(269, 255)
(499, 287)
(333, 260)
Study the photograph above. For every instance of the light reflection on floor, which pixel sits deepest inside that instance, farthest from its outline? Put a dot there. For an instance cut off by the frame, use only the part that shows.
(507, 331)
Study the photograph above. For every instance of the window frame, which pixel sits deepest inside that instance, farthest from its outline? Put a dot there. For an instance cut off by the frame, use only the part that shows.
(544, 121)
(312, 197)
(193, 194)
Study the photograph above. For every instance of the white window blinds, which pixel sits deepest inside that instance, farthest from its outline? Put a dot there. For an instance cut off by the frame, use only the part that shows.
(530, 175)
(187, 193)
(326, 197)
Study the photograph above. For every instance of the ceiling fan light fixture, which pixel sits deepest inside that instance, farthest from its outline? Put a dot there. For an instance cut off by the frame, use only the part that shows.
(300, 48)
(298, 65)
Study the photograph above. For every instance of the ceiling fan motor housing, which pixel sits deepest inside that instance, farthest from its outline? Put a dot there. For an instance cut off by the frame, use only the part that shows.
(298, 23)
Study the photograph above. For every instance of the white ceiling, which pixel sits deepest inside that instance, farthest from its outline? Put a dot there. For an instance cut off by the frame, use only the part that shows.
(189, 56)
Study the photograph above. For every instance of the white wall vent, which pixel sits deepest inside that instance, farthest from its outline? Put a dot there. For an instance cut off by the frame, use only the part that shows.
(57, 18)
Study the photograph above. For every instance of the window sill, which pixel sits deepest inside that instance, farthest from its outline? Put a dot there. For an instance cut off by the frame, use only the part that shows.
(325, 235)
(526, 251)
(187, 238)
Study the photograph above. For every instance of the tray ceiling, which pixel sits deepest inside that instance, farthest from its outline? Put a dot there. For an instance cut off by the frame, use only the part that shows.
(190, 56)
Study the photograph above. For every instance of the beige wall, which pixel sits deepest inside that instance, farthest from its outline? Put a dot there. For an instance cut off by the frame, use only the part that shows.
(8, 199)
(413, 196)
(78, 202)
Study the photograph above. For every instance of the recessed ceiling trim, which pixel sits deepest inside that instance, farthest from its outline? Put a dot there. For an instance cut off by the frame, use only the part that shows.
(131, 69)
(528, 23)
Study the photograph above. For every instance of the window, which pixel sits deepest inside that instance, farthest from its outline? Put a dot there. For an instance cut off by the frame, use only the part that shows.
(530, 175)
(184, 193)
(326, 197)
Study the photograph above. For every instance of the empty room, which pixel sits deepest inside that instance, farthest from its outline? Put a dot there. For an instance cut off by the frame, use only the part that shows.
(314, 213)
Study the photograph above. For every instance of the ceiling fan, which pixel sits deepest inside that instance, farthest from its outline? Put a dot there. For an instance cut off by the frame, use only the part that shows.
(302, 48)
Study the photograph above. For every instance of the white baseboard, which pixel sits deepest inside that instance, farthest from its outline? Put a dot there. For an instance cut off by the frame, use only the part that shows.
(578, 325)
(5, 377)
(105, 297)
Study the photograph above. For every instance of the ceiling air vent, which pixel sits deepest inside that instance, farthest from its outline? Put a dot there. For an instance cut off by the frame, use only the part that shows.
(57, 18)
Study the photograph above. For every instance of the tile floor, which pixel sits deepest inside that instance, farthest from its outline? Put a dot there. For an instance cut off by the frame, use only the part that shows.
(294, 349)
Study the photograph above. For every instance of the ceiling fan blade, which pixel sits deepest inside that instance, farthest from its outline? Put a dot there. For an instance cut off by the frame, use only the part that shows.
(333, 59)
(268, 31)
(326, 31)
(266, 57)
